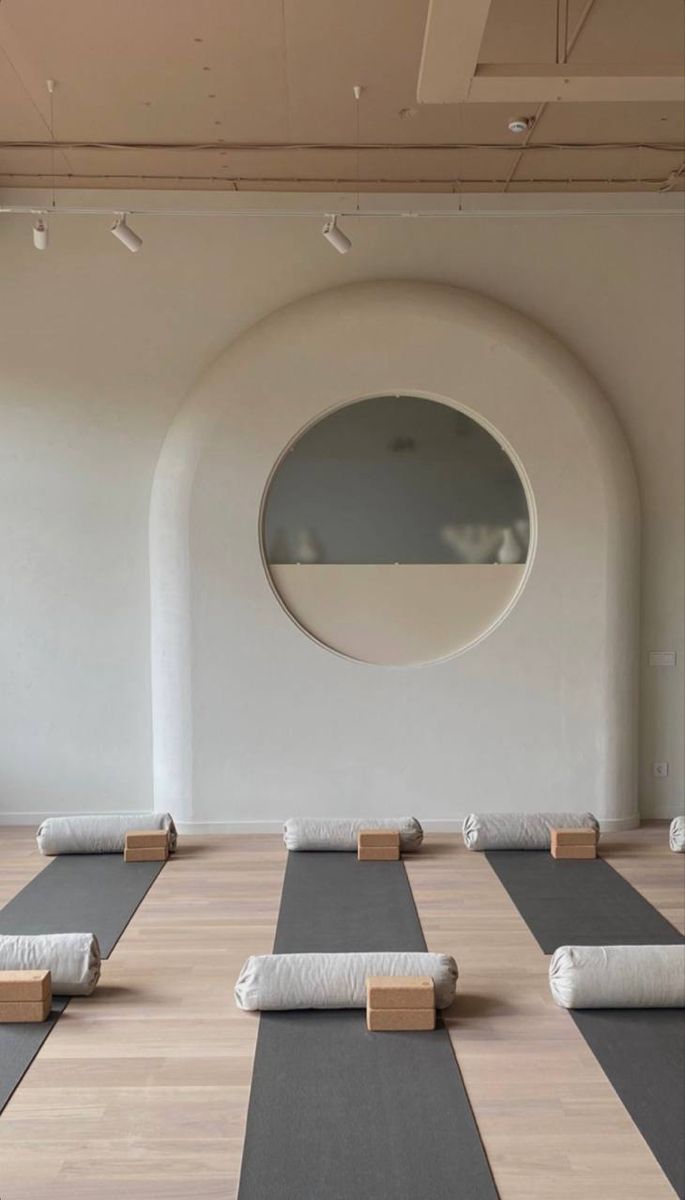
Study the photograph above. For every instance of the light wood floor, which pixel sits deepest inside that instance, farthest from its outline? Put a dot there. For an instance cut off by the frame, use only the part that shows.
(141, 1090)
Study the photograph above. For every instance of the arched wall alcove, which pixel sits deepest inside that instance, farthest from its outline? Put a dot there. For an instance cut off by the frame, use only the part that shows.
(253, 721)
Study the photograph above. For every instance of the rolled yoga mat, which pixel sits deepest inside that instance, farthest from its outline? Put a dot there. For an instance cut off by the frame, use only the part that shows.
(618, 977)
(73, 959)
(676, 835)
(340, 833)
(287, 981)
(640, 1050)
(98, 833)
(338, 1112)
(520, 831)
(93, 892)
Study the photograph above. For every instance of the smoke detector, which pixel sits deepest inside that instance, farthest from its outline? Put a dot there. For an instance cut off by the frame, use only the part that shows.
(520, 124)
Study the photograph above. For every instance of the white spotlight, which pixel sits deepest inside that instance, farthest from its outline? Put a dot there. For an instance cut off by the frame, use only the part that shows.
(125, 234)
(335, 236)
(40, 232)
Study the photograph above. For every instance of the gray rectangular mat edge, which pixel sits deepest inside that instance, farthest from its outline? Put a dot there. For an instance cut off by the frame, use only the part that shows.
(334, 1110)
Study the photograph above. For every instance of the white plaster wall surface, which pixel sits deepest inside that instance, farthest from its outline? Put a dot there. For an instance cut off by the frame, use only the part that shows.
(98, 350)
(538, 714)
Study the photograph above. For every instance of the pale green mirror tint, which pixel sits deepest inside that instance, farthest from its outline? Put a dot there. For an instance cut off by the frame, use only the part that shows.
(396, 479)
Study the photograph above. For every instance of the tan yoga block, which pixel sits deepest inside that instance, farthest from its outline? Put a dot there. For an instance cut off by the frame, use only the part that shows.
(389, 1020)
(378, 853)
(139, 838)
(574, 851)
(15, 1011)
(400, 991)
(25, 985)
(378, 837)
(574, 837)
(146, 854)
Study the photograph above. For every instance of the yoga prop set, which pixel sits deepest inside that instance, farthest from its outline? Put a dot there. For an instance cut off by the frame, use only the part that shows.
(336, 1110)
(41, 928)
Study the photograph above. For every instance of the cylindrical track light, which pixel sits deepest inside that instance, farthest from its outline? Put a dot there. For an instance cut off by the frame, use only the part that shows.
(40, 232)
(335, 236)
(125, 234)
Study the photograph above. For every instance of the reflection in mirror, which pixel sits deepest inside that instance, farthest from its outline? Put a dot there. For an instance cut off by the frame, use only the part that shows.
(396, 479)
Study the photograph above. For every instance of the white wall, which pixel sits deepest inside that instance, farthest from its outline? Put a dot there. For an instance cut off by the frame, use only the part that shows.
(98, 349)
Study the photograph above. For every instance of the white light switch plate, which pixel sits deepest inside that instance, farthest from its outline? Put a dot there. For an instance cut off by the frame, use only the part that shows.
(660, 769)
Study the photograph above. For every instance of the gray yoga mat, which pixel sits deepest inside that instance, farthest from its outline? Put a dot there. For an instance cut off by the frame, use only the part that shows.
(582, 902)
(76, 893)
(81, 893)
(336, 1111)
(642, 1054)
(641, 1051)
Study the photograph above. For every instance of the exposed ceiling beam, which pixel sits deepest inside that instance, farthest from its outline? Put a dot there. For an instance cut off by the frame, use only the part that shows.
(450, 72)
(538, 82)
(451, 43)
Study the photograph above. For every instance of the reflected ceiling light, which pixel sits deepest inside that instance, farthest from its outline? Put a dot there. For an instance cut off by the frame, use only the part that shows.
(125, 234)
(335, 236)
(40, 232)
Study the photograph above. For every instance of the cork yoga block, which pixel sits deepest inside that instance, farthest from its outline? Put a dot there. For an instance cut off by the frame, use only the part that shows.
(400, 991)
(32, 986)
(574, 851)
(146, 854)
(573, 837)
(24, 996)
(378, 845)
(389, 1020)
(137, 839)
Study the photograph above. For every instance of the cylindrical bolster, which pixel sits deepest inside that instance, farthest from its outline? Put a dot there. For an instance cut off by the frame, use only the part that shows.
(281, 981)
(520, 831)
(340, 833)
(676, 835)
(73, 959)
(98, 833)
(618, 976)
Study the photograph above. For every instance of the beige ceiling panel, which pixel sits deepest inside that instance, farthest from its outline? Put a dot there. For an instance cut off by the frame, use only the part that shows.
(212, 165)
(334, 46)
(519, 31)
(402, 165)
(649, 32)
(18, 160)
(624, 164)
(634, 122)
(486, 164)
(20, 120)
(158, 70)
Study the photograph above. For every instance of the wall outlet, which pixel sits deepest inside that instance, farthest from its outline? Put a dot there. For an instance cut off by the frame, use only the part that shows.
(662, 658)
(660, 770)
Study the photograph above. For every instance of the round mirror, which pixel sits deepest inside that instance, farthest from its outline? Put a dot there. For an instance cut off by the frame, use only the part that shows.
(396, 530)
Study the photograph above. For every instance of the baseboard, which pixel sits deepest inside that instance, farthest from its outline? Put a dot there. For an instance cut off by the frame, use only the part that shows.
(618, 824)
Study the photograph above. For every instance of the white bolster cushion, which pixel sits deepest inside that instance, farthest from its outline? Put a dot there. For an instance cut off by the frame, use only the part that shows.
(73, 959)
(340, 833)
(98, 833)
(618, 976)
(520, 831)
(281, 981)
(676, 835)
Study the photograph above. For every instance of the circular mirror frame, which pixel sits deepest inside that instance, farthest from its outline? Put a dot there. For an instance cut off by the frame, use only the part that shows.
(532, 544)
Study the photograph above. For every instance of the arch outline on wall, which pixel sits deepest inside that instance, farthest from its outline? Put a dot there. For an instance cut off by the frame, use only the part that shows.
(364, 321)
